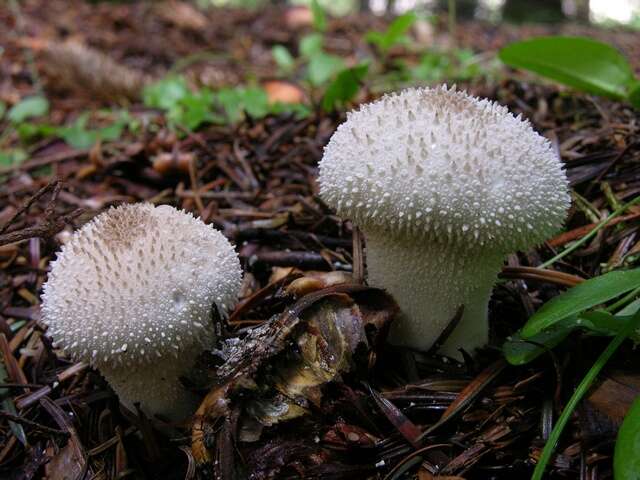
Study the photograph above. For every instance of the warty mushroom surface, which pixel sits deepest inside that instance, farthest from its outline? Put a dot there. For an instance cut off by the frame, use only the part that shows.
(132, 293)
(443, 185)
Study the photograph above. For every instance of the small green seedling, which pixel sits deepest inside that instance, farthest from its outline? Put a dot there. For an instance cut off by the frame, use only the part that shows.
(576, 309)
(395, 34)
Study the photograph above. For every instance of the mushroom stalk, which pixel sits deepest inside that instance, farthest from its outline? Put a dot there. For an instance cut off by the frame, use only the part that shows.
(431, 281)
(164, 393)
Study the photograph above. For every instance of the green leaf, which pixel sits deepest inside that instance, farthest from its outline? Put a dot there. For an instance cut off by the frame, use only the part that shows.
(599, 322)
(197, 109)
(394, 34)
(519, 351)
(3, 108)
(634, 94)
(165, 94)
(28, 131)
(319, 16)
(12, 157)
(111, 132)
(7, 405)
(28, 107)
(235, 101)
(433, 67)
(344, 87)
(78, 137)
(299, 109)
(322, 66)
(579, 62)
(581, 297)
(626, 456)
(283, 58)
(310, 45)
(631, 324)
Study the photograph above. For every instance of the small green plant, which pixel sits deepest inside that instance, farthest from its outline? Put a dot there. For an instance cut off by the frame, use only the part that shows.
(394, 34)
(183, 107)
(581, 63)
(320, 65)
(319, 16)
(79, 135)
(24, 126)
(20, 113)
(189, 109)
(344, 87)
(626, 461)
(574, 309)
(28, 107)
(456, 65)
(321, 70)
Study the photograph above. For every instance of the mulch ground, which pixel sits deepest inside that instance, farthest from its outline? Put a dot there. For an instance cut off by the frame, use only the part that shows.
(400, 410)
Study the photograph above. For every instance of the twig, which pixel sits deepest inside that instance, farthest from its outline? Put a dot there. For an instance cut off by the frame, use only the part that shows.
(54, 185)
(31, 423)
(45, 230)
(358, 256)
(591, 234)
(542, 275)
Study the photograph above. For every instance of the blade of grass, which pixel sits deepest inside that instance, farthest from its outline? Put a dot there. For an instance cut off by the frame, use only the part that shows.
(586, 382)
(591, 234)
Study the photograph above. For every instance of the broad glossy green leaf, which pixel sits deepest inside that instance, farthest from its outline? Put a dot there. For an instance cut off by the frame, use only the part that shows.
(344, 87)
(626, 457)
(579, 62)
(27, 108)
(580, 298)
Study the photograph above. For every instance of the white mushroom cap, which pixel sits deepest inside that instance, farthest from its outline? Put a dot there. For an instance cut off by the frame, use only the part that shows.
(134, 289)
(456, 180)
(446, 165)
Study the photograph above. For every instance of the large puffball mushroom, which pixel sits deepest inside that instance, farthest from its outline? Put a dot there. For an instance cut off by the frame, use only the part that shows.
(132, 293)
(443, 185)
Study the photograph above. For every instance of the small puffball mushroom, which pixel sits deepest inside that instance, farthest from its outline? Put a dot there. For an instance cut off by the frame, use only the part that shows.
(132, 293)
(443, 185)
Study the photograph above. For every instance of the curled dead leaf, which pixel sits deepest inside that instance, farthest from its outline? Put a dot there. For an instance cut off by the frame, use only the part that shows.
(276, 372)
